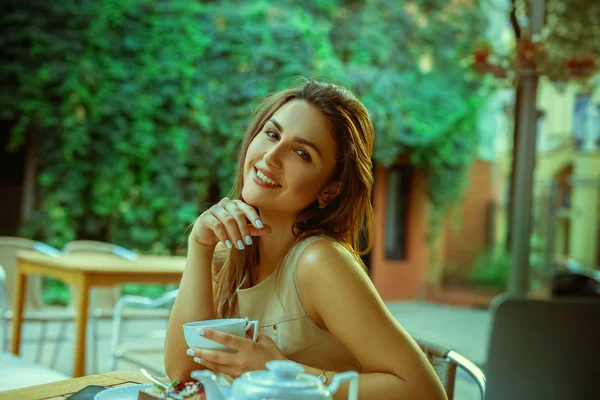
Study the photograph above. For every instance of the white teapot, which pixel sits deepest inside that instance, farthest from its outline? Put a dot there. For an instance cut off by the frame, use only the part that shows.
(283, 380)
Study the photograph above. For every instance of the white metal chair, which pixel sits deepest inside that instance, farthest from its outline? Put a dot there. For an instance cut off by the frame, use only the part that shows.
(93, 246)
(103, 300)
(35, 310)
(138, 354)
(3, 309)
(445, 361)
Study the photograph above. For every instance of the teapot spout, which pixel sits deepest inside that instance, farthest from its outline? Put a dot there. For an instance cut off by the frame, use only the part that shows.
(209, 381)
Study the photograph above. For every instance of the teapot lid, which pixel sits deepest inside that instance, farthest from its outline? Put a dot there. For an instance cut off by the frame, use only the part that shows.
(282, 378)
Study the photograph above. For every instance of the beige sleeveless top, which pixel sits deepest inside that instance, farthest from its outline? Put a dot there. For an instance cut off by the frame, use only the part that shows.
(276, 304)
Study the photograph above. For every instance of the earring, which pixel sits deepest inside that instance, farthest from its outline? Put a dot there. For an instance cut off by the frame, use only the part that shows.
(322, 203)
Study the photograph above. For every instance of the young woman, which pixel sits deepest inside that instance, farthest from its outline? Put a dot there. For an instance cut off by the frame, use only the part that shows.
(284, 249)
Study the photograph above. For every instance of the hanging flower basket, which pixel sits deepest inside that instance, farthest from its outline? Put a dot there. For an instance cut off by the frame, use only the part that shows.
(533, 57)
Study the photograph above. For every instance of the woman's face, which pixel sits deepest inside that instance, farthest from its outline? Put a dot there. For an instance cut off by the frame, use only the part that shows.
(290, 161)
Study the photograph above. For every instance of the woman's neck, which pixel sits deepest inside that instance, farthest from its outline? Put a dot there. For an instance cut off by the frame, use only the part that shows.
(274, 246)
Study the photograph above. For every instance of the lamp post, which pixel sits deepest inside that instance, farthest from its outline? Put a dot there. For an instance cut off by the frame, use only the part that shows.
(518, 283)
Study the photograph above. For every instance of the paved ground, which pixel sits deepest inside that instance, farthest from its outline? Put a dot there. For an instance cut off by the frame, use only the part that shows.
(464, 330)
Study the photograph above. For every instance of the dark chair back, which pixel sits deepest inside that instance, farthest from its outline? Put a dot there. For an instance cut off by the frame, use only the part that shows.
(544, 349)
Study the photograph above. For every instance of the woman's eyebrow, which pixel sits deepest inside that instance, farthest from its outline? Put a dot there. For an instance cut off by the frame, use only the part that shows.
(307, 143)
(277, 124)
(296, 139)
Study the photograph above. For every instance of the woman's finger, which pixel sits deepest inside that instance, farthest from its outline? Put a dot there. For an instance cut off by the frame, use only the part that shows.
(230, 224)
(210, 220)
(250, 213)
(230, 370)
(242, 222)
(256, 227)
(219, 357)
(254, 231)
(226, 339)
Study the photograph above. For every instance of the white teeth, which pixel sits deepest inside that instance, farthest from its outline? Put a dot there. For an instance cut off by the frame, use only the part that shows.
(264, 178)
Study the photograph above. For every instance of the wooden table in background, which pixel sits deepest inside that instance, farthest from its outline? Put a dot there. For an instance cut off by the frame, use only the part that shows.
(63, 389)
(86, 271)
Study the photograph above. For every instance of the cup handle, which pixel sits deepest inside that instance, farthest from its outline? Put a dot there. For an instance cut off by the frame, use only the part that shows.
(255, 325)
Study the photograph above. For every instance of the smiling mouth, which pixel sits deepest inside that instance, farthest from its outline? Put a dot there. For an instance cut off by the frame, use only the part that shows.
(263, 179)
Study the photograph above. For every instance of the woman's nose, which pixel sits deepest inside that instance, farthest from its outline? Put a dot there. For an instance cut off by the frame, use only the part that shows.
(273, 157)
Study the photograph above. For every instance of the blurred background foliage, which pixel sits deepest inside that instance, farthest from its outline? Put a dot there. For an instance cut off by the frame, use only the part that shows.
(136, 107)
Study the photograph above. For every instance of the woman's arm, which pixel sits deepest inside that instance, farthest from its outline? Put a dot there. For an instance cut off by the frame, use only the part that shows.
(194, 302)
(339, 295)
(226, 222)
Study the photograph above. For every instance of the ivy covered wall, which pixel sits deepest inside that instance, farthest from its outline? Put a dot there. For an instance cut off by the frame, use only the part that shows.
(137, 106)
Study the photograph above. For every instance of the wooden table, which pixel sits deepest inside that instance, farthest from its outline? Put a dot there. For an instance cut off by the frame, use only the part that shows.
(63, 389)
(86, 271)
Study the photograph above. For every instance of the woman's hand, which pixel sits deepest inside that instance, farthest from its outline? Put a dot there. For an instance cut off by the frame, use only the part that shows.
(231, 222)
(247, 356)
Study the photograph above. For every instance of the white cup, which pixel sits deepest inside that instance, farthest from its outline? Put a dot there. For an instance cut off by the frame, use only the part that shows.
(233, 326)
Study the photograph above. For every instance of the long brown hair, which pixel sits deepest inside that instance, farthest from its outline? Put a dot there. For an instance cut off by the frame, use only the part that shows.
(348, 218)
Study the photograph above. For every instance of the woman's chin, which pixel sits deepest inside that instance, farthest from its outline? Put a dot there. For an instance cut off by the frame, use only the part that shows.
(260, 204)
(264, 205)
(254, 199)
(267, 204)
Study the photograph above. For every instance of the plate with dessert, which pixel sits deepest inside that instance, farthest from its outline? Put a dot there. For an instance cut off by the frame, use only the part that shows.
(176, 391)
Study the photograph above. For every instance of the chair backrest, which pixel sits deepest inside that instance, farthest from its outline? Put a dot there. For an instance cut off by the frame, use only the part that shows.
(3, 303)
(446, 361)
(444, 368)
(101, 298)
(93, 246)
(544, 349)
(9, 246)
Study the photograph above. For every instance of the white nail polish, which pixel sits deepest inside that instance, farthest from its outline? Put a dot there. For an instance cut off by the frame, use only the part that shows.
(190, 352)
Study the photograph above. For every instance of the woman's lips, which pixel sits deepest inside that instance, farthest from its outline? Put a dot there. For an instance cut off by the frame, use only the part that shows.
(261, 182)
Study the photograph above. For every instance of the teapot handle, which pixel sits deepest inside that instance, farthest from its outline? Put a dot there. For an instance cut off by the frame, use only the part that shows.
(351, 376)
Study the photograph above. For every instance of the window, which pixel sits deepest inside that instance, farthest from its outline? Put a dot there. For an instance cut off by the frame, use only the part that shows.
(586, 123)
(398, 194)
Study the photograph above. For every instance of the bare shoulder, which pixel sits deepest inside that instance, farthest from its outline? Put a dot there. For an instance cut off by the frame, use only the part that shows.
(331, 282)
(326, 273)
(327, 258)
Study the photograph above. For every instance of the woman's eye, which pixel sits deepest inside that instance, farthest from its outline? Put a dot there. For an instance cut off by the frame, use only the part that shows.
(303, 154)
(271, 134)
